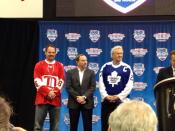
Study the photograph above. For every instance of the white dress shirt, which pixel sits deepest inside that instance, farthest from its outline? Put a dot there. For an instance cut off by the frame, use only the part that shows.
(173, 71)
(81, 73)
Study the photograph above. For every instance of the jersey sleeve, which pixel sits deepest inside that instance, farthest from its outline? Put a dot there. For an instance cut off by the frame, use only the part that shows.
(102, 87)
(60, 81)
(41, 88)
(128, 87)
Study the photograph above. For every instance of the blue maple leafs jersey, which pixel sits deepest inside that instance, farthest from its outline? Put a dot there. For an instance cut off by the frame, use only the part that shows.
(115, 80)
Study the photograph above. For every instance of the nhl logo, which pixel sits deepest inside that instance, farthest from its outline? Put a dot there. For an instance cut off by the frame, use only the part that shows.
(116, 37)
(139, 86)
(139, 35)
(72, 52)
(94, 67)
(162, 53)
(52, 34)
(66, 68)
(124, 6)
(94, 35)
(138, 98)
(139, 69)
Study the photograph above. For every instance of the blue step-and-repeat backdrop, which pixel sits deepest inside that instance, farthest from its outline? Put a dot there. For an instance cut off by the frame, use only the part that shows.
(146, 49)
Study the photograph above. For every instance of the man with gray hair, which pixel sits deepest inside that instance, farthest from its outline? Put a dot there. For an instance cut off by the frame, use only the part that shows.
(133, 115)
(115, 84)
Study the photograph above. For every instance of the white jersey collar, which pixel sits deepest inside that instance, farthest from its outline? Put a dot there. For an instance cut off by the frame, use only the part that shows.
(50, 62)
(117, 64)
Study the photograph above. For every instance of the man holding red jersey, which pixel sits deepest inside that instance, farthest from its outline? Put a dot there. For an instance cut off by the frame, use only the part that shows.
(48, 79)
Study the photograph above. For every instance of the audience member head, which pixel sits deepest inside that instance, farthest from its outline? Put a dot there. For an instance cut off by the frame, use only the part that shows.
(5, 113)
(133, 115)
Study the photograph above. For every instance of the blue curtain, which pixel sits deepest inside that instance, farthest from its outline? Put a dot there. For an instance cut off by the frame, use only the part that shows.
(146, 49)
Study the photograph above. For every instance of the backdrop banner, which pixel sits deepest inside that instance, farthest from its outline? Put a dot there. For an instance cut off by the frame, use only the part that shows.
(146, 49)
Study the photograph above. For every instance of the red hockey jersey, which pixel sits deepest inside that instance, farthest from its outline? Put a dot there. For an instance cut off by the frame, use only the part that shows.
(48, 76)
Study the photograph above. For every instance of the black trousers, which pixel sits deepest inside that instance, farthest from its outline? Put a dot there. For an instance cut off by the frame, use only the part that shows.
(106, 108)
(86, 116)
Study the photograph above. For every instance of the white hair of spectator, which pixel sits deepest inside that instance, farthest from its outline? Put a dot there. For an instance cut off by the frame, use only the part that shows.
(133, 115)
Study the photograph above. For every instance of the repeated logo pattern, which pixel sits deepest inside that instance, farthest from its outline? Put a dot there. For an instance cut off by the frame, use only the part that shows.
(96, 43)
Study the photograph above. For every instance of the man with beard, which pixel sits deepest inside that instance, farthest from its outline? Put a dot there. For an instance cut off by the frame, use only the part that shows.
(48, 79)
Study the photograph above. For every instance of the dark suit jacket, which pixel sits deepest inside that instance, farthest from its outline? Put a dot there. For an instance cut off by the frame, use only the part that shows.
(75, 89)
(164, 73)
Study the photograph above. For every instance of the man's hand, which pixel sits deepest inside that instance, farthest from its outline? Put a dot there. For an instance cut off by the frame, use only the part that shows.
(51, 95)
(111, 98)
(81, 99)
(114, 98)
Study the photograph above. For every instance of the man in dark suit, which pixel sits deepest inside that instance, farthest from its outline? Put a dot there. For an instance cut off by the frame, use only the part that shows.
(168, 72)
(81, 84)
(165, 73)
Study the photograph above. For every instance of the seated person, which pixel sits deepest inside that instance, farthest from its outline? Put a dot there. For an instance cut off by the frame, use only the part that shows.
(133, 115)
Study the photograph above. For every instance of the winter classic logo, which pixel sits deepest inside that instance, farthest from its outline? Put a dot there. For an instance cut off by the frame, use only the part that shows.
(68, 67)
(94, 35)
(57, 50)
(124, 6)
(162, 53)
(139, 69)
(162, 37)
(72, 52)
(95, 119)
(139, 35)
(139, 52)
(139, 86)
(94, 67)
(67, 119)
(94, 51)
(52, 34)
(72, 37)
(116, 37)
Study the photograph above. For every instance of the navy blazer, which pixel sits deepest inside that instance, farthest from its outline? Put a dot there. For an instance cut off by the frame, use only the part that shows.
(74, 88)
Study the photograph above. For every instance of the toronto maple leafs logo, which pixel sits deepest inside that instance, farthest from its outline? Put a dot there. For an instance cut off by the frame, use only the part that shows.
(114, 79)
(124, 6)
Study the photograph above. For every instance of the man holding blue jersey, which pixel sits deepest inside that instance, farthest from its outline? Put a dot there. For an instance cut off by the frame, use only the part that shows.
(115, 84)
